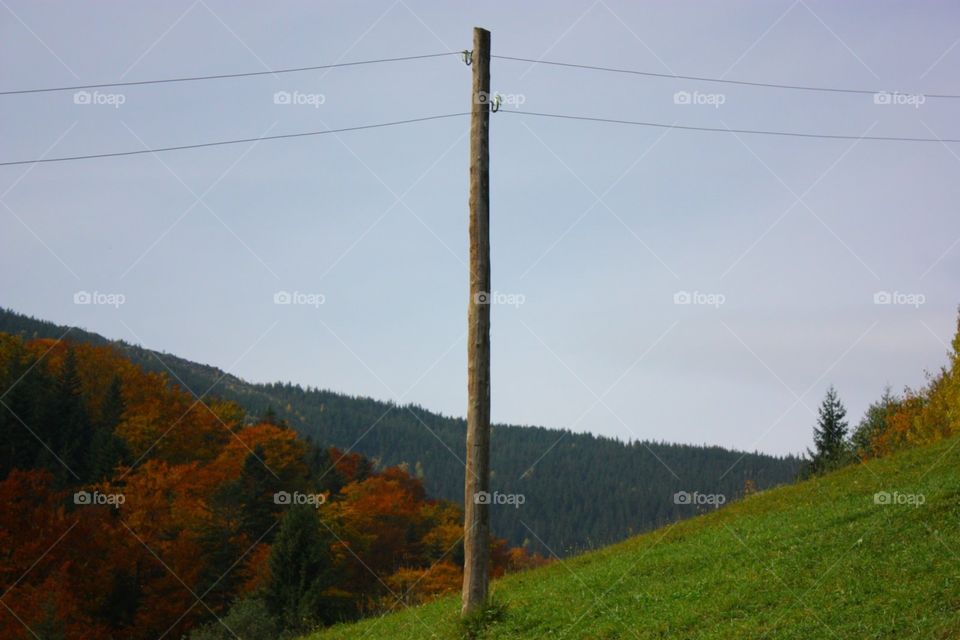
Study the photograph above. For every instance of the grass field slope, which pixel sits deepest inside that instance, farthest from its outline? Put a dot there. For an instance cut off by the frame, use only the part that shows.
(870, 551)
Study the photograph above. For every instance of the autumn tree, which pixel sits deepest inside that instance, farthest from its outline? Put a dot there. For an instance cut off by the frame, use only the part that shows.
(874, 422)
(198, 514)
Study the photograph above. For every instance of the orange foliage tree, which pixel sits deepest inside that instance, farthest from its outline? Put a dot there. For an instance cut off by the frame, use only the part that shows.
(181, 526)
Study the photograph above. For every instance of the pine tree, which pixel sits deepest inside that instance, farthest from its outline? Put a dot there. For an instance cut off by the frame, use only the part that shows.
(221, 545)
(113, 405)
(256, 487)
(830, 434)
(25, 387)
(69, 425)
(270, 417)
(323, 473)
(108, 449)
(301, 570)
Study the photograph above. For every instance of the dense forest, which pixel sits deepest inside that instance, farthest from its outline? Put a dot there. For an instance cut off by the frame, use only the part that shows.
(133, 510)
(580, 491)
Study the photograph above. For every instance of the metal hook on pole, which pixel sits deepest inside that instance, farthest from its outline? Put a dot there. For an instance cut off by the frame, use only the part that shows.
(495, 103)
(467, 57)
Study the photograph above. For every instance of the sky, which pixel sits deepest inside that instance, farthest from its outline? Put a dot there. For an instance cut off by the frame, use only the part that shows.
(780, 247)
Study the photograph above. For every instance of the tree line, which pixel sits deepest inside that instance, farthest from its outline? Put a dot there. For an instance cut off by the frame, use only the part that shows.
(893, 422)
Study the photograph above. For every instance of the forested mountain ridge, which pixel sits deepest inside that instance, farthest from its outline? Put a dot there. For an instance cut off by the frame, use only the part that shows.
(586, 491)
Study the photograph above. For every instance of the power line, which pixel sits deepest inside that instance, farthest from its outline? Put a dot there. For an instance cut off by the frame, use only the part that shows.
(239, 141)
(660, 125)
(554, 63)
(747, 83)
(792, 134)
(222, 76)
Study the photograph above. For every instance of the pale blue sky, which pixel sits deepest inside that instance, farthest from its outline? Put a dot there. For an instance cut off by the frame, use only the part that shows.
(680, 211)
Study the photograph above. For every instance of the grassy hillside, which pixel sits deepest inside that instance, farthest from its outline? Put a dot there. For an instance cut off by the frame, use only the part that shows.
(818, 559)
(581, 491)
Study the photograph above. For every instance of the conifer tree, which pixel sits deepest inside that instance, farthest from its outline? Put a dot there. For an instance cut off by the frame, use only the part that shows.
(24, 386)
(301, 570)
(70, 429)
(256, 487)
(830, 434)
(108, 448)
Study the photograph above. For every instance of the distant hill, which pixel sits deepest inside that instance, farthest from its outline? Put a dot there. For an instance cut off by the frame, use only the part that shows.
(580, 491)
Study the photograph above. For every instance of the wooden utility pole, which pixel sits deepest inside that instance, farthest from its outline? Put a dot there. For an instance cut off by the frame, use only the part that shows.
(476, 525)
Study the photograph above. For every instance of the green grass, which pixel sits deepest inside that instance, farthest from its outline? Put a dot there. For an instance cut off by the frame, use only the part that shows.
(817, 559)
